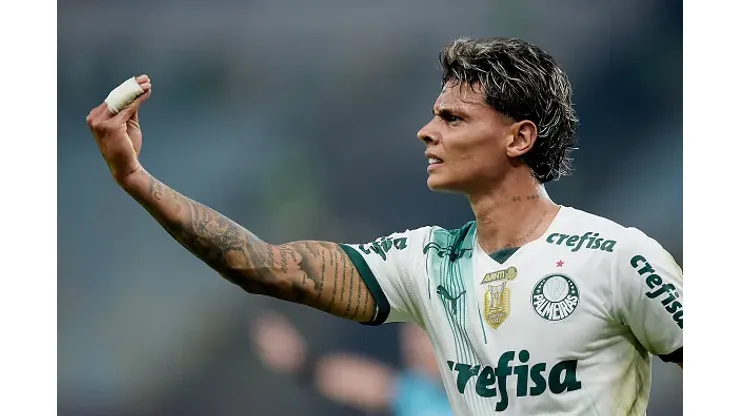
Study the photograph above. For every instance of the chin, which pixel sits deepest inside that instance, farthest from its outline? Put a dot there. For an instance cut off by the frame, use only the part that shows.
(438, 184)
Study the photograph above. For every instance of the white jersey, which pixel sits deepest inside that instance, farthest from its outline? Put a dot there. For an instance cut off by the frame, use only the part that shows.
(565, 325)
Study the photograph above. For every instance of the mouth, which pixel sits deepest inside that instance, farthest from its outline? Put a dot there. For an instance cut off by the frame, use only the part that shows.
(434, 162)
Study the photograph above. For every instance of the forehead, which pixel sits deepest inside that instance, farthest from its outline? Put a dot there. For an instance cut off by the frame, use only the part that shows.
(456, 96)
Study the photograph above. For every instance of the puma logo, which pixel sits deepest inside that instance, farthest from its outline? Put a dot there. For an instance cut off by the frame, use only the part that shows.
(442, 291)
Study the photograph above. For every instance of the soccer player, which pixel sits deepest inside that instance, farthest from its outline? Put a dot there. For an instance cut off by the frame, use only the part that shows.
(534, 308)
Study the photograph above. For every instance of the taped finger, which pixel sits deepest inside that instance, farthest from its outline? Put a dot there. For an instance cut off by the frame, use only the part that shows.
(131, 108)
(123, 95)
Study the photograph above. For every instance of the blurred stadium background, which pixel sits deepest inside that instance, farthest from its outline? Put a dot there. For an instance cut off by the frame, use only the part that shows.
(298, 120)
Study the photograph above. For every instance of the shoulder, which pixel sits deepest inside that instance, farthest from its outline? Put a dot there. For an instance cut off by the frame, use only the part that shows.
(590, 231)
(415, 234)
(400, 244)
(430, 239)
(644, 253)
(454, 242)
(633, 241)
(597, 233)
(435, 234)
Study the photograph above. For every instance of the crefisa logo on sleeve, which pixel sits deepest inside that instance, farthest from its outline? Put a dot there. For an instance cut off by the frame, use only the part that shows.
(666, 293)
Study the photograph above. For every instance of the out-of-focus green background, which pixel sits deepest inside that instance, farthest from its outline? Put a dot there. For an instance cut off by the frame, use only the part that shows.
(298, 120)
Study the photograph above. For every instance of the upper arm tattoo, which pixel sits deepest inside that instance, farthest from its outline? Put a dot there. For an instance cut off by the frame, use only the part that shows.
(320, 275)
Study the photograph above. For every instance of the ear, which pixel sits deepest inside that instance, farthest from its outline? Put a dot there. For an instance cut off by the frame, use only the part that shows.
(522, 138)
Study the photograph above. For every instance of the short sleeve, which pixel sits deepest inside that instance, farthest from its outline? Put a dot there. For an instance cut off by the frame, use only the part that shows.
(649, 290)
(392, 267)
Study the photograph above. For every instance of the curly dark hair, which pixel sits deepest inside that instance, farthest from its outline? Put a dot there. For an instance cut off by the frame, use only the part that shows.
(521, 81)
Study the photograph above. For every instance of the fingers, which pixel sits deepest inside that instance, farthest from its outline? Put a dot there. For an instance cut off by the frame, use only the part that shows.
(95, 113)
(96, 118)
(143, 79)
(131, 110)
(146, 84)
(102, 112)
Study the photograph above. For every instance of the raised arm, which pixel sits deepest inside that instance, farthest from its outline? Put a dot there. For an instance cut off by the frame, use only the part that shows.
(317, 274)
(314, 273)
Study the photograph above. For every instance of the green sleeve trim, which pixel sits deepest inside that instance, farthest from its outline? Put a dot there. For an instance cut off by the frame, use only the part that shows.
(384, 308)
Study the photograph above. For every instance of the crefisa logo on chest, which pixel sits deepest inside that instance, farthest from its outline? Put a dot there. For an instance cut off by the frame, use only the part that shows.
(555, 297)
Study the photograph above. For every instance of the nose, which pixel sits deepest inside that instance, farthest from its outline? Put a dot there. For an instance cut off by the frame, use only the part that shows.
(427, 135)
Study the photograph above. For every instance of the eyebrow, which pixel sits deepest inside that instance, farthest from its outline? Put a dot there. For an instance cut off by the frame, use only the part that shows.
(447, 111)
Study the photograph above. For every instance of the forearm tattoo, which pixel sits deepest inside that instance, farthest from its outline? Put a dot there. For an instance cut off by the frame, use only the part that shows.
(317, 274)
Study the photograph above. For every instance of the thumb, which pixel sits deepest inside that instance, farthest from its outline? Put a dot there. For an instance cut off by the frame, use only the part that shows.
(132, 110)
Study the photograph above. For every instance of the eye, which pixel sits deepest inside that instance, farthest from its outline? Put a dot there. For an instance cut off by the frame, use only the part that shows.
(449, 117)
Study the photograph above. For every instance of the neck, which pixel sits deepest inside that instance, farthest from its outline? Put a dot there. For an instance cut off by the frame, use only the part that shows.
(513, 213)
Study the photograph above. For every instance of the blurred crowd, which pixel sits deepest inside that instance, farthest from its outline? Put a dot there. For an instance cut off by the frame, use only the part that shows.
(354, 380)
(297, 119)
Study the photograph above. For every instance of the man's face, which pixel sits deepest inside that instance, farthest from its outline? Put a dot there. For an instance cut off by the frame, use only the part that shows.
(466, 140)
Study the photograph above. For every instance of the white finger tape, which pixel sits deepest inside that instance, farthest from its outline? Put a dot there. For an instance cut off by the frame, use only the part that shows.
(123, 95)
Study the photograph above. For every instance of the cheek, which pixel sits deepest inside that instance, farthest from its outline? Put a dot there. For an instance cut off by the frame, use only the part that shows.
(485, 151)
(476, 165)
(473, 149)
(475, 159)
